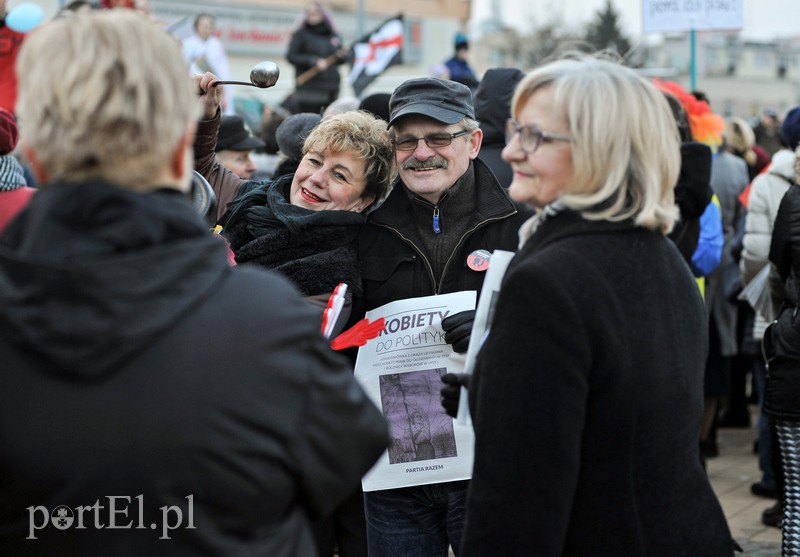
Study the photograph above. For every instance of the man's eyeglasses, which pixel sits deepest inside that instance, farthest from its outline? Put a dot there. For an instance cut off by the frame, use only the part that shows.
(432, 140)
(530, 137)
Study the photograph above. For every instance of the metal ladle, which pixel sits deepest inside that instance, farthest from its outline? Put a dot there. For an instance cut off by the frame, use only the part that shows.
(263, 75)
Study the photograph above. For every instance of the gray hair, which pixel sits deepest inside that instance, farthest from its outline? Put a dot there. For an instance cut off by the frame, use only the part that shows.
(106, 95)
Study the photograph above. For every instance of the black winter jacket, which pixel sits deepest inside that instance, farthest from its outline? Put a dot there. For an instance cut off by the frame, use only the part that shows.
(782, 338)
(394, 265)
(137, 362)
(309, 44)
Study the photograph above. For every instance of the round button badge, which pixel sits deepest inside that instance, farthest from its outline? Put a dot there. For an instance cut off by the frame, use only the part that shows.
(478, 260)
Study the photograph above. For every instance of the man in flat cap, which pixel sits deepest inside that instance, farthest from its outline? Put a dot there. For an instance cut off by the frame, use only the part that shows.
(445, 209)
(234, 145)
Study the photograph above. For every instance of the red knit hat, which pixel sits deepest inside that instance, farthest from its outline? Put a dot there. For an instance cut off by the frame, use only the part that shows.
(9, 132)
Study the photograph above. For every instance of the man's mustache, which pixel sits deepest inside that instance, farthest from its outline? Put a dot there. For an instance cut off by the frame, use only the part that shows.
(432, 162)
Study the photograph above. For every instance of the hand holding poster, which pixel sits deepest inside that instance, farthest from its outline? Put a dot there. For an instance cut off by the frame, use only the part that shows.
(484, 316)
(400, 371)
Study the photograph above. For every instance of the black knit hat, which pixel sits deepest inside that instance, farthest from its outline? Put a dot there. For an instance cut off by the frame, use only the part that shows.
(790, 128)
(234, 136)
(292, 133)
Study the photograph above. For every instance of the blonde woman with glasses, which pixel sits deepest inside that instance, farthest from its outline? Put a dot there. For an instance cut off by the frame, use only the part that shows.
(588, 391)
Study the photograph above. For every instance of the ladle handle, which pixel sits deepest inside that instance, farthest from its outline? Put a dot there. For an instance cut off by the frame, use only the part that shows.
(232, 83)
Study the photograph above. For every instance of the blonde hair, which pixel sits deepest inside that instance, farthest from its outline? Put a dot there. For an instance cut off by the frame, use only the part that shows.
(741, 138)
(362, 134)
(105, 95)
(625, 148)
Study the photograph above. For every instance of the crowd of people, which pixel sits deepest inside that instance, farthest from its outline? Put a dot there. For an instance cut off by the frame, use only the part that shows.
(167, 389)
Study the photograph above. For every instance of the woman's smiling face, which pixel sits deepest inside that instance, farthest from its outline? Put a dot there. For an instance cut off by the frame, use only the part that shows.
(330, 181)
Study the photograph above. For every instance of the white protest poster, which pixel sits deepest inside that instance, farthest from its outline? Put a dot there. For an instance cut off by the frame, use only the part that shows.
(671, 16)
(484, 315)
(400, 371)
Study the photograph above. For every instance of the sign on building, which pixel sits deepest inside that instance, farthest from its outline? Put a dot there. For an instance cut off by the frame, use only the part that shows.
(670, 16)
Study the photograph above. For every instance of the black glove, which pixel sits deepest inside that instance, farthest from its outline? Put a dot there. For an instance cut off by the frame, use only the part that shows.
(457, 329)
(451, 391)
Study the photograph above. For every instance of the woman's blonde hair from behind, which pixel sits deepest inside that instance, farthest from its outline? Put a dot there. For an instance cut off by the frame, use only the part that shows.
(104, 95)
(625, 148)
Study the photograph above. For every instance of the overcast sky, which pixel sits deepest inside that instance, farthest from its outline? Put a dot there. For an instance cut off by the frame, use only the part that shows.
(763, 19)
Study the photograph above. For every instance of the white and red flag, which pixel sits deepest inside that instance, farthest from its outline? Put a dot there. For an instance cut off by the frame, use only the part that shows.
(376, 51)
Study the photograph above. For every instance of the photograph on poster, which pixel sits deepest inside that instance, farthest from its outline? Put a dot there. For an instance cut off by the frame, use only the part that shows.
(419, 428)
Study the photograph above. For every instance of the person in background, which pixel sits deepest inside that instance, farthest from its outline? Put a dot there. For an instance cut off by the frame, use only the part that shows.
(585, 429)
(439, 71)
(742, 142)
(204, 52)
(458, 68)
(291, 136)
(76, 7)
(445, 206)
(782, 349)
(266, 158)
(768, 131)
(340, 106)
(316, 51)
(167, 379)
(729, 177)
(234, 145)
(492, 107)
(693, 190)
(377, 104)
(14, 192)
(766, 192)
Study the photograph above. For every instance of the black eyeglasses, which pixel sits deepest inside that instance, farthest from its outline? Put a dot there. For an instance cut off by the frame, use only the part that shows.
(432, 140)
(530, 137)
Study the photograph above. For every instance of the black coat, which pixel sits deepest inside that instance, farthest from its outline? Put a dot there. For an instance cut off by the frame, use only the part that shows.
(587, 399)
(307, 45)
(394, 264)
(137, 362)
(315, 250)
(692, 195)
(782, 338)
(492, 109)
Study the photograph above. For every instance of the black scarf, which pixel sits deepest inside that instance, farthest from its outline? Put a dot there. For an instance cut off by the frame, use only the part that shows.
(314, 249)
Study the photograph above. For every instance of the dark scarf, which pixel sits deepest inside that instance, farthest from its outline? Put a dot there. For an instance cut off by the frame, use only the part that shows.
(314, 249)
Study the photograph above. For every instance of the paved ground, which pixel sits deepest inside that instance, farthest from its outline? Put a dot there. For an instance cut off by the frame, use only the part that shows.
(731, 474)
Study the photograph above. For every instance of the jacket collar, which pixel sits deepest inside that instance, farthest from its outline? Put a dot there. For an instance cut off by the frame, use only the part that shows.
(571, 223)
(492, 200)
